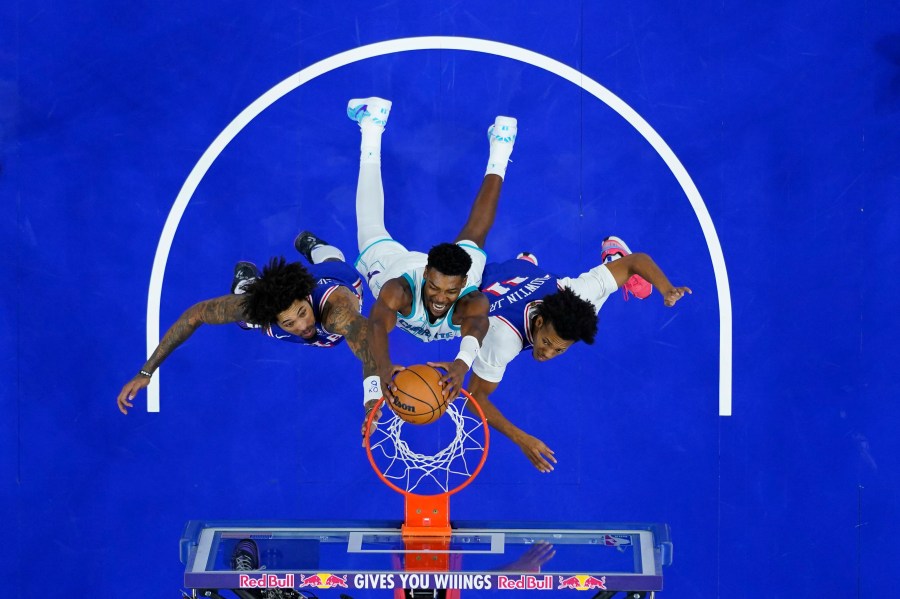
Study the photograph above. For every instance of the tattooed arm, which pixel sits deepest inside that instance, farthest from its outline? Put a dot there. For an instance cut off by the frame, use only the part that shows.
(341, 316)
(220, 310)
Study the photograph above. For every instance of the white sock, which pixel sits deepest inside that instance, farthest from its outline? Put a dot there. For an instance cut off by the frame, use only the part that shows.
(321, 253)
(370, 146)
(498, 159)
(369, 203)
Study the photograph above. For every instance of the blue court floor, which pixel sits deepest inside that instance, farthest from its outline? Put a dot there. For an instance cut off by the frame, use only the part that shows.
(752, 149)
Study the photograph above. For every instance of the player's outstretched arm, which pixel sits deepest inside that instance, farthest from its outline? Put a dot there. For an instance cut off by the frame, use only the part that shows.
(643, 265)
(472, 312)
(341, 316)
(395, 296)
(220, 310)
(534, 449)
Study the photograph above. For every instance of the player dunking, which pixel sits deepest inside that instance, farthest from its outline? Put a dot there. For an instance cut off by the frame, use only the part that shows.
(433, 296)
(317, 306)
(532, 309)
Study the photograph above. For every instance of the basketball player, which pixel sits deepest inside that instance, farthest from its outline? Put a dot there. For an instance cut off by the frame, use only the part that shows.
(317, 306)
(534, 310)
(433, 296)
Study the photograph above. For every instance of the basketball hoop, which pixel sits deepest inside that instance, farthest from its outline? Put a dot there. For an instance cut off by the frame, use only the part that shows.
(426, 479)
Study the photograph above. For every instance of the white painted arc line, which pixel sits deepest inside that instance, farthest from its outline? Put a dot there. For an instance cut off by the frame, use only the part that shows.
(447, 43)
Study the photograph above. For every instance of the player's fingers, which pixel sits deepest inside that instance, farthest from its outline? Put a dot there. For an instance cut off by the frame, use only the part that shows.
(539, 462)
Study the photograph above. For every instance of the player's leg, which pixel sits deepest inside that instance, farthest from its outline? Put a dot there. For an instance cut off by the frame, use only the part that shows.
(317, 250)
(502, 137)
(372, 115)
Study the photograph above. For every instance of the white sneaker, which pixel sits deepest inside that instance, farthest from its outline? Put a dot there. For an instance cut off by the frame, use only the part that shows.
(503, 131)
(374, 110)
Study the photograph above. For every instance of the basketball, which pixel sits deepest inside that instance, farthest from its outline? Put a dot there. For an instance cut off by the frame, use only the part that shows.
(418, 399)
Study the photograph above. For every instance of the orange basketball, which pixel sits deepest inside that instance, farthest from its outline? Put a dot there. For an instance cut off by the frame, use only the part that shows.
(418, 399)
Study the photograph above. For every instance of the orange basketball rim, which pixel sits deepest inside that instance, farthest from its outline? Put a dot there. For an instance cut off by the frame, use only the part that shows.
(427, 517)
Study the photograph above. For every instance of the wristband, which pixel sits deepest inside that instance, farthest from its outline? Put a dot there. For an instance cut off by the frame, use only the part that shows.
(468, 349)
(371, 389)
(145, 373)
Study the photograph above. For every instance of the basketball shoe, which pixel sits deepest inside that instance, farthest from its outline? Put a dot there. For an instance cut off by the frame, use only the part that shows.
(528, 257)
(244, 274)
(614, 248)
(245, 556)
(502, 135)
(305, 243)
(373, 110)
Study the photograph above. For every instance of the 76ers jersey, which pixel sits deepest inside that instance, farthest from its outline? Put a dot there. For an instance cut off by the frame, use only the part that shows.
(515, 288)
(416, 322)
(329, 277)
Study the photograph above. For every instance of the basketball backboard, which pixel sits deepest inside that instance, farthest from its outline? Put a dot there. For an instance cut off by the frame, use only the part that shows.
(480, 556)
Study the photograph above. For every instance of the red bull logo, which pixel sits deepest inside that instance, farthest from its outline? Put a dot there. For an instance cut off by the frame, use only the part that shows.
(323, 581)
(266, 581)
(582, 582)
(527, 581)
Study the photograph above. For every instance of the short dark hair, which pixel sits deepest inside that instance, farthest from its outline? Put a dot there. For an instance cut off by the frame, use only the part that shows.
(449, 259)
(573, 318)
(280, 285)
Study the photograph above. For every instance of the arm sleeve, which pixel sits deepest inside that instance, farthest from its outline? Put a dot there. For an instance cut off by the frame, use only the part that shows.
(595, 285)
(500, 346)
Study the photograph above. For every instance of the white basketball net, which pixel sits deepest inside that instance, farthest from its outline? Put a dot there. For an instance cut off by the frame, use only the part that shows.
(446, 469)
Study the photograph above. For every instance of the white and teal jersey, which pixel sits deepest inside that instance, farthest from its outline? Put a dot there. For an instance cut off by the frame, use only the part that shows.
(386, 259)
(416, 323)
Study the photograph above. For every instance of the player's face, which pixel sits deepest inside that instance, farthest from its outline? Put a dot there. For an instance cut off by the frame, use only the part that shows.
(441, 291)
(299, 320)
(547, 344)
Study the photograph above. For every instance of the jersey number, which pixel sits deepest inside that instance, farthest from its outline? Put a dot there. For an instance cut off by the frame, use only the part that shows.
(498, 289)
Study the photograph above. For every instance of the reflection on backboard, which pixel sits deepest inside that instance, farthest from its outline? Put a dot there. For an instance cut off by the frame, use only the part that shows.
(477, 556)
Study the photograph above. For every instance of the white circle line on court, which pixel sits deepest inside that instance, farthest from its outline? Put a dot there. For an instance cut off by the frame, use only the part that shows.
(540, 61)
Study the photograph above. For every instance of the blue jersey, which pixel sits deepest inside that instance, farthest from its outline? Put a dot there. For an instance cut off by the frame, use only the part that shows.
(329, 277)
(514, 288)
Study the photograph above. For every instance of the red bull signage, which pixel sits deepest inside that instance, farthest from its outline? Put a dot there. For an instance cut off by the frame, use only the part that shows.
(582, 582)
(322, 581)
(424, 580)
(266, 581)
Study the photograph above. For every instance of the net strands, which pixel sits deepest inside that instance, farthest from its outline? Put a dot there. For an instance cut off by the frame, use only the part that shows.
(410, 469)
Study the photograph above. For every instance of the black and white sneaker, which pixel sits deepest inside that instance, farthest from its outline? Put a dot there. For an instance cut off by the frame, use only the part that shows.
(244, 273)
(305, 243)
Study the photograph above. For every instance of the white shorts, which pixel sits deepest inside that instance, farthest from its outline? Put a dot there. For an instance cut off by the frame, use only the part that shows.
(385, 259)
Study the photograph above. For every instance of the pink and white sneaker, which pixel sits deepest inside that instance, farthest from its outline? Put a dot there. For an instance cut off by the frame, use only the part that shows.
(614, 248)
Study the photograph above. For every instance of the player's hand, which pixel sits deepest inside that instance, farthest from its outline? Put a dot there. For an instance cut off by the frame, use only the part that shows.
(539, 454)
(369, 406)
(675, 294)
(130, 391)
(388, 388)
(538, 554)
(451, 382)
